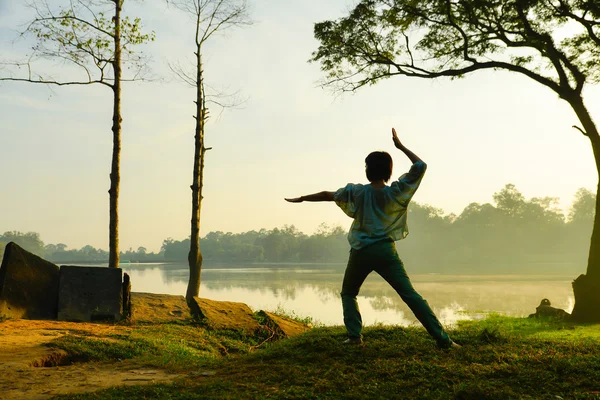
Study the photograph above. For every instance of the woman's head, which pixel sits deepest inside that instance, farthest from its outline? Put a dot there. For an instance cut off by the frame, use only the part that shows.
(379, 166)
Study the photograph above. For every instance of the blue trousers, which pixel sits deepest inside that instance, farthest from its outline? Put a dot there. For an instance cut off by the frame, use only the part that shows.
(382, 258)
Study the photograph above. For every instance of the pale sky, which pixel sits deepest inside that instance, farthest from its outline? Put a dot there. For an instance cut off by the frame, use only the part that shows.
(290, 137)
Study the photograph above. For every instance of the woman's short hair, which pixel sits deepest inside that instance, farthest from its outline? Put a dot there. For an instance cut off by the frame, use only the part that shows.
(379, 165)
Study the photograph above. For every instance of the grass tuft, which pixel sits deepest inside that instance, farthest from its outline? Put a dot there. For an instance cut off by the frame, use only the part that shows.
(491, 335)
(306, 320)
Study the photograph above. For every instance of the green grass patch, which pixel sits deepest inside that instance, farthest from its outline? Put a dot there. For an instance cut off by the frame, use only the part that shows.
(501, 358)
(175, 347)
(307, 320)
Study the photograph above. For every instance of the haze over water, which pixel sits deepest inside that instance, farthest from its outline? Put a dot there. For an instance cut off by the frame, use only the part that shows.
(312, 290)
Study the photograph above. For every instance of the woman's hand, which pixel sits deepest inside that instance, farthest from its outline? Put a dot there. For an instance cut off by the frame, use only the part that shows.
(295, 200)
(397, 141)
(412, 156)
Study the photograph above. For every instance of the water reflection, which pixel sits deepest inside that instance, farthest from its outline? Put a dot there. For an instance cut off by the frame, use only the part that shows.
(310, 290)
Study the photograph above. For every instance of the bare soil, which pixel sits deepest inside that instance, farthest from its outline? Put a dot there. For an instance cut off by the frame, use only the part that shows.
(24, 354)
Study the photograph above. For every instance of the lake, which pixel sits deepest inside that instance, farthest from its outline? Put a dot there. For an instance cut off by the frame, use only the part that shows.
(313, 290)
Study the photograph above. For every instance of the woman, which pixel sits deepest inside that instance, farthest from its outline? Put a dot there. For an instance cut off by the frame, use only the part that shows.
(379, 212)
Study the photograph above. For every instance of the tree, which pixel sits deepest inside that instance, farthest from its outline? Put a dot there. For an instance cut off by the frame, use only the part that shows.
(210, 17)
(83, 35)
(582, 209)
(510, 201)
(175, 250)
(441, 38)
(428, 225)
(30, 241)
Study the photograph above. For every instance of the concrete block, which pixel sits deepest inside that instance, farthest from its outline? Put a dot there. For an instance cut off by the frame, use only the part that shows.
(28, 285)
(90, 294)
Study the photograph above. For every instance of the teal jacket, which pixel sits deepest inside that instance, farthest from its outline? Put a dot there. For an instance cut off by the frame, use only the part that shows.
(379, 213)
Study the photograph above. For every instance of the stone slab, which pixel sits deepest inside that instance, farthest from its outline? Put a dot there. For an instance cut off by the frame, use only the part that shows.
(28, 285)
(157, 308)
(90, 293)
(225, 315)
(284, 326)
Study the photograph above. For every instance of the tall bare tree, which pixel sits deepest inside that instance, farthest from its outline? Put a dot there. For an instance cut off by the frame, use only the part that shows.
(210, 17)
(82, 34)
(554, 42)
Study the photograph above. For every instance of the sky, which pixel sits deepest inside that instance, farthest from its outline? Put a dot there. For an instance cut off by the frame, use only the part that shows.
(290, 137)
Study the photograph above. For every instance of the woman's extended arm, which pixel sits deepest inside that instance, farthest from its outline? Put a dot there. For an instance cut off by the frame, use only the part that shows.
(321, 196)
(412, 156)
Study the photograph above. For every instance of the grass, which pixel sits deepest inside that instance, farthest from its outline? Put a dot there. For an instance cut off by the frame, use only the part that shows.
(177, 347)
(307, 320)
(501, 358)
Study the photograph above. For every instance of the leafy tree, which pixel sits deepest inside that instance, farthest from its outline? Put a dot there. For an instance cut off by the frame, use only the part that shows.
(174, 250)
(582, 209)
(510, 201)
(229, 247)
(554, 42)
(92, 36)
(328, 244)
(53, 248)
(210, 17)
(30, 241)
(277, 245)
(482, 231)
(428, 226)
(542, 221)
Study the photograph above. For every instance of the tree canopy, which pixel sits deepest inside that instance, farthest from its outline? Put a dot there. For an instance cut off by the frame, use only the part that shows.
(554, 42)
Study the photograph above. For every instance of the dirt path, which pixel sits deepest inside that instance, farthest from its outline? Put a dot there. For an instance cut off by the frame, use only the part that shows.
(22, 354)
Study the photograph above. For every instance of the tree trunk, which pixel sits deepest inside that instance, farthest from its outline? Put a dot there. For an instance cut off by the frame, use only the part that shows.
(115, 174)
(195, 255)
(586, 288)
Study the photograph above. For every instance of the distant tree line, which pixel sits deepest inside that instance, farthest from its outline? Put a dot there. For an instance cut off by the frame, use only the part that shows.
(286, 244)
(512, 235)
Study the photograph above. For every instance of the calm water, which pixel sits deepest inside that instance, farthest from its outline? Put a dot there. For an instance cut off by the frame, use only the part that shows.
(313, 290)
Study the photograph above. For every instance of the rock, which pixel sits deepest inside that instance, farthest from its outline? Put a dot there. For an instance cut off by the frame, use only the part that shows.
(157, 308)
(90, 294)
(224, 315)
(28, 285)
(283, 326)
(545, 309)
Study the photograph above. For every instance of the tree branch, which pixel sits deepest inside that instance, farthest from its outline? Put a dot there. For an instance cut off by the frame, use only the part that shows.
(87, 23)
(234, 17)
(50, 82)
(581, 130)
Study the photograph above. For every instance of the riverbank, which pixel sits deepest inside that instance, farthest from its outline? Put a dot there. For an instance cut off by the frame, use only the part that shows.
(501, 358)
